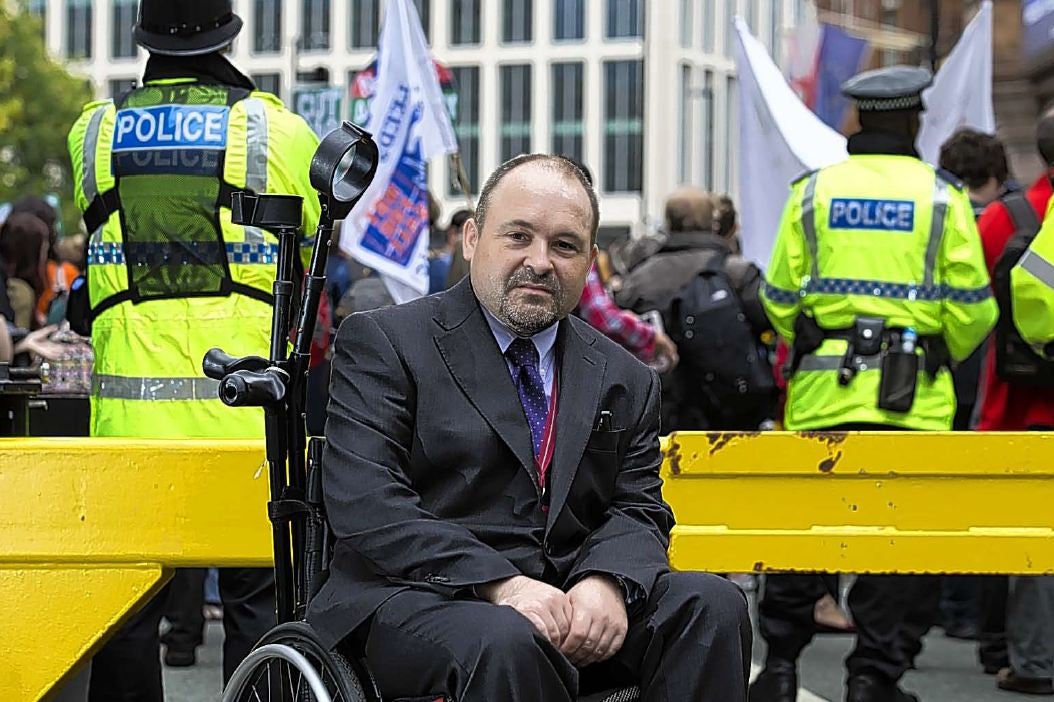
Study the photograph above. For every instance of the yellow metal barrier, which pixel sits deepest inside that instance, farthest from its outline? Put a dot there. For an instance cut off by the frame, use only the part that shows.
(89, 528)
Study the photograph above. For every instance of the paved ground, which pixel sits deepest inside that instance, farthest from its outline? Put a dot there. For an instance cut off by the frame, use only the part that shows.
(947, 672)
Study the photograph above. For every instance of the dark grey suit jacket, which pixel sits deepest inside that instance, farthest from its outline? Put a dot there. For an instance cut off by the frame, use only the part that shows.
(429, 474)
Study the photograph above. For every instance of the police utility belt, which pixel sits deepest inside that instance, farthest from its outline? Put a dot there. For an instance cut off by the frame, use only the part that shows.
(870, 343)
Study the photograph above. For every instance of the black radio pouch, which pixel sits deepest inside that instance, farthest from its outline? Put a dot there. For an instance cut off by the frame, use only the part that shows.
(899, 379)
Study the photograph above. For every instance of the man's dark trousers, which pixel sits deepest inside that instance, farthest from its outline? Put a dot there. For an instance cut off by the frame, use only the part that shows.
(128, 668)
(421, 643)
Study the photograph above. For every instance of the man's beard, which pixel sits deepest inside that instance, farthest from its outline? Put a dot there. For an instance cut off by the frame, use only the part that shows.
(527, 318)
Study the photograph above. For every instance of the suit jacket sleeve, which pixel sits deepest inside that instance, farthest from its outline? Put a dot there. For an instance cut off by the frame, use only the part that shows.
(370, 499)
(631, 543)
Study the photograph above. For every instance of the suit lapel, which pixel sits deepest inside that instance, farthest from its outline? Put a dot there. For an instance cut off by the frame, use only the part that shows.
(581, 379)
(471, 353)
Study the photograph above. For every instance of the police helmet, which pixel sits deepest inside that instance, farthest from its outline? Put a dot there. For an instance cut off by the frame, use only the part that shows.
(885, 89)
(186, 27)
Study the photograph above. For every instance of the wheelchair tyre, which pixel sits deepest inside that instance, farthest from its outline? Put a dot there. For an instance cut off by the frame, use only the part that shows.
(273, 674)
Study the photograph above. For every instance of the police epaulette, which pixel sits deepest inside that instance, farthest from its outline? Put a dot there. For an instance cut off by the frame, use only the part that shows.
(950, 178)
(799, 178)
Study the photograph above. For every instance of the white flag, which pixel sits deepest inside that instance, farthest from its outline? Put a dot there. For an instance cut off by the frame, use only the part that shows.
(388, 229)
(779, 140)
(961, 94)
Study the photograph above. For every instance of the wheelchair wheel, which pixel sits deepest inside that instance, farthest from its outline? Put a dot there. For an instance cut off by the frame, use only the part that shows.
(290, 665)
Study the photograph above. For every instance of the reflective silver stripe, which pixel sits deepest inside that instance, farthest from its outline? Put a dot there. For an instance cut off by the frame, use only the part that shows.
(940, 209)
(1039, 267)
(808, 222)
(254, 235)
(89, 184)
(255, 145)
(117, 387)
(833, 363)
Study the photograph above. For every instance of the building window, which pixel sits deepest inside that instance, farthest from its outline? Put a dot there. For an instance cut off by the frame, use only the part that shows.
(314, 30)
(706, 145)
(124, 13)
(515, 111)
(517, 21)
(623, 126)
(39, 9)
(119, 86)
(776, 29)
(731, 131)
(424, 11)
(569, 20)
(268, 83)
(267, 26)
(625, 19)
(364, 22)
(466, 122)
(78, 28)
(728, 32)
(709, 19)
(685, 127)
(567, 120)
(686, 22)
(464, 22)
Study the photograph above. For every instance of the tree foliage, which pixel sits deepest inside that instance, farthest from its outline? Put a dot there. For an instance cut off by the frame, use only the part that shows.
(39, 101)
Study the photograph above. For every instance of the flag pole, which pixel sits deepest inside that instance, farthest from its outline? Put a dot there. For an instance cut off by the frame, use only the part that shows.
(462, 179)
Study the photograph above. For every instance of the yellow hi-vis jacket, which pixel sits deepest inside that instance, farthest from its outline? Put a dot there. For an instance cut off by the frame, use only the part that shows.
(1032, 289)
(169, 275)
(877, 236)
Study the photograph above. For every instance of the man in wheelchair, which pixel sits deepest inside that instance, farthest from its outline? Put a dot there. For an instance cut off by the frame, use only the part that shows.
(492, 479)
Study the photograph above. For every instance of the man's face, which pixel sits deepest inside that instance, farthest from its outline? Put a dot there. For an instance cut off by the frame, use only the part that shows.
(530, 261)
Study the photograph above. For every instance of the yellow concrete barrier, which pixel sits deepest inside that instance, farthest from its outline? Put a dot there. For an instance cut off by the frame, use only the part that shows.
(89, 528)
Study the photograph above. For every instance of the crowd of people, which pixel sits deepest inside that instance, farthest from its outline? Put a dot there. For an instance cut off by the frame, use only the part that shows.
(907, 327)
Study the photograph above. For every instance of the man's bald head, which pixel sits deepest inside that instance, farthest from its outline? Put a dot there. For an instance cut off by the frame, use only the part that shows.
(1045, 136)
(690, 209)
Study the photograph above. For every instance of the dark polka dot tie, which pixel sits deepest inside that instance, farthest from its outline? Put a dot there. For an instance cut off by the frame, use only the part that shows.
(523, 355)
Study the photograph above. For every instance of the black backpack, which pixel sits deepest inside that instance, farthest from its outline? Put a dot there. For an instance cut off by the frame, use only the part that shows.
(727, 369)
(1015, 361)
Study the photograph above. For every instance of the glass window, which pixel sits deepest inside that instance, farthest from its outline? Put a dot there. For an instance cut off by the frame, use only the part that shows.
(78, 28)
(686, 23)
(517, 21)
(466, 122)
(124, 15)
(568, 128)
(37, 7)
(731, 131)
(119, 86)
(515, 111)
(685, 127)
(776, 29)
(424, 11)
(569, 19)
(267, 26)
(706, 145)
(464, 22)
(727, 31)
(623, 126)
(314, 28)
(752, 15)
(625, 19)
(709, 19)
(268, 82)
(364, 22)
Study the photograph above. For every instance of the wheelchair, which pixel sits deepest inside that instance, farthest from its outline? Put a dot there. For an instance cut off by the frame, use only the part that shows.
(290, 664)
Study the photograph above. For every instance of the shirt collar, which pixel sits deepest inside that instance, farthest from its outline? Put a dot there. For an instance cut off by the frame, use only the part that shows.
(544, 340)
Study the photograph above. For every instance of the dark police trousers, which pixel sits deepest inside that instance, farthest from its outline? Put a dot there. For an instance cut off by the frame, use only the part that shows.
(689, 641)
(128, 668)
(891, 612)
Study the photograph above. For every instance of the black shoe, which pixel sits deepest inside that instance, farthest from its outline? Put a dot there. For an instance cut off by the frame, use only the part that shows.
(1008, 680)
(778, 682)
(869, 687)
(175, 658)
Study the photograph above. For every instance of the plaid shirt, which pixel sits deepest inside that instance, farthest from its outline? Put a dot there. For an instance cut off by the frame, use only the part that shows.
(621, 326)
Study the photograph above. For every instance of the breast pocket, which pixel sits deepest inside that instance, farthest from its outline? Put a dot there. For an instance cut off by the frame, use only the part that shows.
(605, 441)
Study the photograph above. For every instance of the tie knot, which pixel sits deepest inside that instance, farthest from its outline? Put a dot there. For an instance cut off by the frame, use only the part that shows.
(523, 353)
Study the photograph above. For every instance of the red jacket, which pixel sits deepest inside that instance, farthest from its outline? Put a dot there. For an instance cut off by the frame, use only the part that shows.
(1006, 406)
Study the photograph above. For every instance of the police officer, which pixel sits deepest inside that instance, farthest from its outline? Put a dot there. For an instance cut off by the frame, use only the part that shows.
(1032, 291)
(878, 281)
(169, 275)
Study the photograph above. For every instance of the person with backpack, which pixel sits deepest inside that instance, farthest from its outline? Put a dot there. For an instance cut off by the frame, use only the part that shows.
(1018, 395)
(708, 298)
